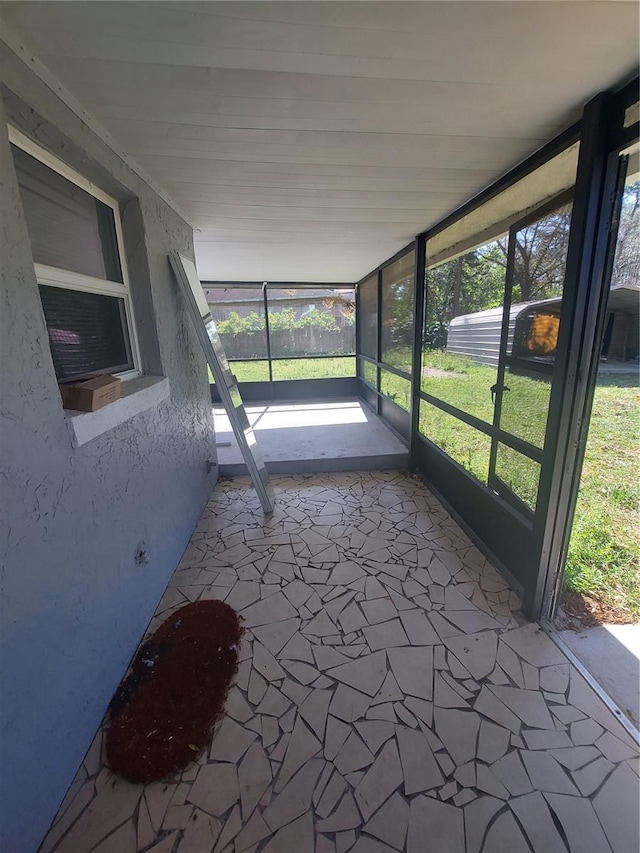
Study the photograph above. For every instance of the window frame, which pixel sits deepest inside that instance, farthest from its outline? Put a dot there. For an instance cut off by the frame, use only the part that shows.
(70, 280)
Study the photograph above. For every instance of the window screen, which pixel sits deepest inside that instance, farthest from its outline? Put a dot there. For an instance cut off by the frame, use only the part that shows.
(368, 316)
(68, 228)
(87, 332)
(398, 296)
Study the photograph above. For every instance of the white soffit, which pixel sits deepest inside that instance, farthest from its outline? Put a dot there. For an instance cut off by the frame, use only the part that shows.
(309, 141)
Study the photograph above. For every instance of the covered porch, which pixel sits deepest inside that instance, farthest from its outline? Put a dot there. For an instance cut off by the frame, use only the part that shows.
(407, 217)
(390, 696)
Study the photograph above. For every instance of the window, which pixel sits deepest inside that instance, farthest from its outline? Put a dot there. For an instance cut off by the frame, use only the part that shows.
(76, 241)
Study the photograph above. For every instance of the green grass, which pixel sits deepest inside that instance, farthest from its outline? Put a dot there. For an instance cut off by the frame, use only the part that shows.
(294, 368)
(396, 388)
(603, 551)
(468, 446)
(463, 383)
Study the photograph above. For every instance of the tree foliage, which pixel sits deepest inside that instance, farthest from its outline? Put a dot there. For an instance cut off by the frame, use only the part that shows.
(280, 320)
(464, 285)
(476, 280)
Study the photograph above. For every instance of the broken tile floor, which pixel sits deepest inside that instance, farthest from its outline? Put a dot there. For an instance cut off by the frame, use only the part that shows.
(390, 697)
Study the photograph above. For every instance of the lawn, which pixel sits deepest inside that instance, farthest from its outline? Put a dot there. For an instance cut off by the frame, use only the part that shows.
(603, 552)
(604, 547)
(294, 368)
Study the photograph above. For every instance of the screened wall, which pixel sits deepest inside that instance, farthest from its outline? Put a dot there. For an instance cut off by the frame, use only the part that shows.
(478, 342)
(284, 333)
(386, 323)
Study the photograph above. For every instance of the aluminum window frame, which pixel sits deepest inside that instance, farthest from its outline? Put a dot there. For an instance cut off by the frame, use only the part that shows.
(58, 277)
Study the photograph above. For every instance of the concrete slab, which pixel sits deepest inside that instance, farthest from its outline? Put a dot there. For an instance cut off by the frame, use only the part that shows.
(611, 653)
(312, 437)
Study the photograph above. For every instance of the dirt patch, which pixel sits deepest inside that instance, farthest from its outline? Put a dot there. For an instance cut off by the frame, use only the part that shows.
(578, 611)
(163, 713)
(436, 373)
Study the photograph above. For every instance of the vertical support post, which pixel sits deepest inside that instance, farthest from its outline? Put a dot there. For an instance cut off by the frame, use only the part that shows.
(585, 295)
(356, 294)
(418, 323)
(379, 343)
(268, 333)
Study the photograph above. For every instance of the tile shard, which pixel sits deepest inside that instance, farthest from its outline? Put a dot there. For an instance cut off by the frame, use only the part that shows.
(297, 835)
(353, 756)
(302, 746)
(477, 816)
(431, 819)
(276, 608)
(230, 742)
(413, 670)
(346, 816)
(458, 731)
(505, 834)
(390, 823)
(215, 789)
(533, 813)
(295, 799)
(380, 780)
(476, 652)
(314, 710)
(365, 674)
(510, 771)
(348, 704)
(419, 767)
(579, 822)
(526, 704)
(490, 706)
(493, 742)
(546, 774)
(254, 777)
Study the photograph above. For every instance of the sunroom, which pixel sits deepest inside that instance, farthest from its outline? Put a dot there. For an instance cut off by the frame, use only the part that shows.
(405, 216)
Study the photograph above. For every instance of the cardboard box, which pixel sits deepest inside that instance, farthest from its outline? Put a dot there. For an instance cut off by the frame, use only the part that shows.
(91, 393)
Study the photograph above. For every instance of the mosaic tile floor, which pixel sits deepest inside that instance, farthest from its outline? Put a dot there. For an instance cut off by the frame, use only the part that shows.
(389, 697)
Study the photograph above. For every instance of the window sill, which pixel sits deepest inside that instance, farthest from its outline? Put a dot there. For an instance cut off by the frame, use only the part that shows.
(138, 395)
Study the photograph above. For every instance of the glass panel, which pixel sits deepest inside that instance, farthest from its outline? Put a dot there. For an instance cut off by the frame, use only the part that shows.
(314, 368)
(467, 446)
(534, 321)
(239, 316)
(398, 297)
(311, 321)
(87, 332)
(463, 322)
(520, 473)
(68, 228)
(396, 388)
(368, 316)
(370, 373)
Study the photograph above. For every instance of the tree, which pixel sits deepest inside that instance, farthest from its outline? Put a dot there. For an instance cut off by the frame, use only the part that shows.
(540, 256)
(466, 284)
(626, 269)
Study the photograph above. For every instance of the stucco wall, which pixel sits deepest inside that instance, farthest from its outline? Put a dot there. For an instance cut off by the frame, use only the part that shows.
(74, 602)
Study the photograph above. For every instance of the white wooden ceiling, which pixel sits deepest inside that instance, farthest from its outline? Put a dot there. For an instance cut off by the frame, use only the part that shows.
(309, 141)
